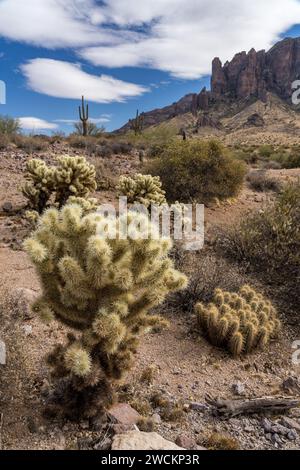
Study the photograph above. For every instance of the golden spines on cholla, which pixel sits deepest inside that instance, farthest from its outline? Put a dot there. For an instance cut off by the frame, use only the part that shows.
(71, 177)
(40, 184)
(142, 189)
(101, 287)
(239, 322)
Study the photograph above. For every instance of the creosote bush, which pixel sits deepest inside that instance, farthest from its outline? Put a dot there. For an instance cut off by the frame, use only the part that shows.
(239, 322)
(199, 171)
(102, 287)
(142, 189)
(72, 176)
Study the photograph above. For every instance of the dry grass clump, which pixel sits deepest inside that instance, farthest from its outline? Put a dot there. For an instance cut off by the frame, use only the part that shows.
(260, 181)
(31, 144)
(218, 441)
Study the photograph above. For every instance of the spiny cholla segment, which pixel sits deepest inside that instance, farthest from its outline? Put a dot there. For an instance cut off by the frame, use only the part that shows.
(142, 189)
(239, 322)
(72, 176)
(102, 287)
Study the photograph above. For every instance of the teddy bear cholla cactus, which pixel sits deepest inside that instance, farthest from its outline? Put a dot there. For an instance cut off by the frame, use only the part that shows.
(240, 322)
(72, 176)
(103, 288)
(40, 185)
(142, 189)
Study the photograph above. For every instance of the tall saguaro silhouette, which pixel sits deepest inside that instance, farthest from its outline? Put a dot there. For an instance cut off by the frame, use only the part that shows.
(84, 116)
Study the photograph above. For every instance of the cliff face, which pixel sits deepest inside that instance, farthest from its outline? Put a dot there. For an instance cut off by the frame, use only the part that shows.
(256, 73)
(249, 75)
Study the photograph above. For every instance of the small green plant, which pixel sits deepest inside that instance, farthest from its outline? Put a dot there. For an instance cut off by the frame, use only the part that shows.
(103, 287)
(260, 181)
(198, 171)
(238, 322)
(142, 189)
(9, 126)
(72, 176)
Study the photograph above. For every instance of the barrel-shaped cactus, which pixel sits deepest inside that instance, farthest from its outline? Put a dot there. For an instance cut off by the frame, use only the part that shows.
(239, 322)
(103, 286)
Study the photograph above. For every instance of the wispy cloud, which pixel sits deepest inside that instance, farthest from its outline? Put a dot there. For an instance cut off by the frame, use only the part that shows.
(36, 124)
(169, 35)
(67, 80)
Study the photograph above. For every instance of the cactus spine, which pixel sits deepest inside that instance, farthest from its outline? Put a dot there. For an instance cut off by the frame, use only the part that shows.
(239, 322)
(84, 116)
(103, 288)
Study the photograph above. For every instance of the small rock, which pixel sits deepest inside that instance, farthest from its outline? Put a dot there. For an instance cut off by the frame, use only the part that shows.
(122, 413)
(137, 440)
(27, 329)
(279, 429)
(276, 439)
(292, 435)
(198, 406)
(7, 207)
(156, 418)
(32, 425)
(290, 423)
(238, 389)
(84, 425)
(186, 442)
(267, 425)
(20, 301)
(122, 428)
(291, 384)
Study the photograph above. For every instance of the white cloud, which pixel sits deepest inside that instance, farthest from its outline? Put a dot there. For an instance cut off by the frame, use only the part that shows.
(182, 38)
(35, 124)
(66, 80)
(169, 35)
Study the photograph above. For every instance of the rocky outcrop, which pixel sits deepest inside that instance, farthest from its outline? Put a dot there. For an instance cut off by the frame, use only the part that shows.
(253, 74)
(248, 76)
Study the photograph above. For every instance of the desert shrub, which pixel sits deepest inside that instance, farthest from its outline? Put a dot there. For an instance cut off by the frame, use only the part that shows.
(271, 165)
(121, 148)
(31, 144)
(9, 126)
(105, 174)
(271, 237)
(92, 129)
(142, 189)
(239, 322)
(248, 156)
(206, 271)
(4, 141)
(265, 151)
(291, 161)
(155, 150)
(72, 176)
(104, 289)
(260, 181)
(198, 171)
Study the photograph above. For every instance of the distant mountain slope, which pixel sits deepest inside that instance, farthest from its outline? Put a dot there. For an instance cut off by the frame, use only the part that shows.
(254, 90)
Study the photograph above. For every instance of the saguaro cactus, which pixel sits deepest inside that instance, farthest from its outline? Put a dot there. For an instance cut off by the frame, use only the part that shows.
(103, 287)
(137, 123)
(84, 116)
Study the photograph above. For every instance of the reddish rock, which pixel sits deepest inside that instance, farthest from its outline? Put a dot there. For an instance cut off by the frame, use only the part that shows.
(123, 414)
(186, 442)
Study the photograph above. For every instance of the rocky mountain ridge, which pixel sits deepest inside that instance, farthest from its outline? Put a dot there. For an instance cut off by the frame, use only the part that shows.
(247, 78)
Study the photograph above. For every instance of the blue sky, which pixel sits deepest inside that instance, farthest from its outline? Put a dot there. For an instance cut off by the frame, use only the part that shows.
(123, 56)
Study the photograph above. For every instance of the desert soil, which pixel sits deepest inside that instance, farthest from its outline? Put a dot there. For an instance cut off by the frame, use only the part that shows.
(188, 367)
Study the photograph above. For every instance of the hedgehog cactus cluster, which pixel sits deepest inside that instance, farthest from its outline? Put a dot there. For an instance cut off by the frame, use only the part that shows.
(142, 189)
(72, 176)
(103, 288)
(239, 322)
